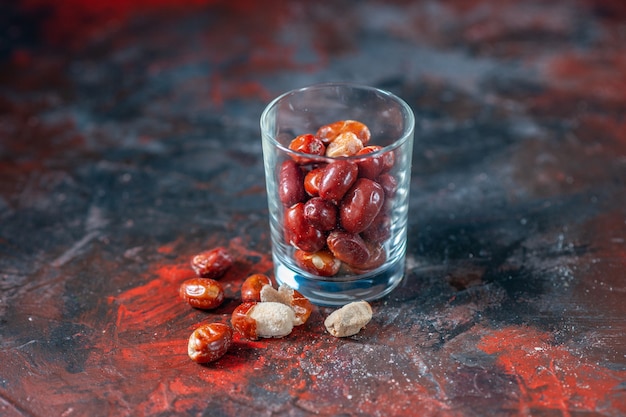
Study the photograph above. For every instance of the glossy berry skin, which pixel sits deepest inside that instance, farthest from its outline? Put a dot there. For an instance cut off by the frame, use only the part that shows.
(337, 179)
(291, 183)
(348, 247)
(379, 230)
(371, 166)
(209, 342)
(312, 181)
(301, 306)
(242, 322)
(203, 293)
(377, 257)
(361, 205)
(320, 213)
(251, 287)
(389, 160)
(389, 184)
(212, 263)
(322, 263)
(308, 144)
(299, 232)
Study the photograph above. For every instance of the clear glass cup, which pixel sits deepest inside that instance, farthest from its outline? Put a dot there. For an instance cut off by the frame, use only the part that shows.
(338, 220)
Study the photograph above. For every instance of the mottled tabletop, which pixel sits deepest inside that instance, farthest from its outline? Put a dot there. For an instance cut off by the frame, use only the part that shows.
(130, 141)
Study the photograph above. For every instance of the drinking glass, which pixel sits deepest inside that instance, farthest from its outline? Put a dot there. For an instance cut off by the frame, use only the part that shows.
(338, 213)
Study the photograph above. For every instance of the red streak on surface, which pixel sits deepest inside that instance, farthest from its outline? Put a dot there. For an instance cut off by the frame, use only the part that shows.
(152, 326)
(597, 74)
(153, 303)
(174, 273)
(151, 330)
(156, 302)
(550, 376)
(606, 129)
(159, 400)
(222, 90)
(234, 73)
(162, 353)
(21, 58)
(166, 249)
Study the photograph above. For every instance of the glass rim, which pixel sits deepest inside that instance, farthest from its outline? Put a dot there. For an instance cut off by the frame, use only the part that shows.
(407, 131)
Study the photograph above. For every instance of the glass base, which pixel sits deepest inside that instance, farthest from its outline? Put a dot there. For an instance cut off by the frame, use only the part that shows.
(327, 292)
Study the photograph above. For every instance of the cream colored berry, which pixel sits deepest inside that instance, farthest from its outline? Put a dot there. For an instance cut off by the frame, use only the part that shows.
(272, 319)
(346, 144)
(286, 295)
(349, 319)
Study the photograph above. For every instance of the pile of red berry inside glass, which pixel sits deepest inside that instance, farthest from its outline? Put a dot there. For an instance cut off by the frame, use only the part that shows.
(337, 211)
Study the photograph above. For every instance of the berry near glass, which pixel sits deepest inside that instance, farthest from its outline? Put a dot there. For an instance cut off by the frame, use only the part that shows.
(265, 312)
(337, 211)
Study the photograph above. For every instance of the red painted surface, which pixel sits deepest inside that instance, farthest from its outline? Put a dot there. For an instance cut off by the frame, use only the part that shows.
(77, 22)
(551, 376)
(129, 142)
